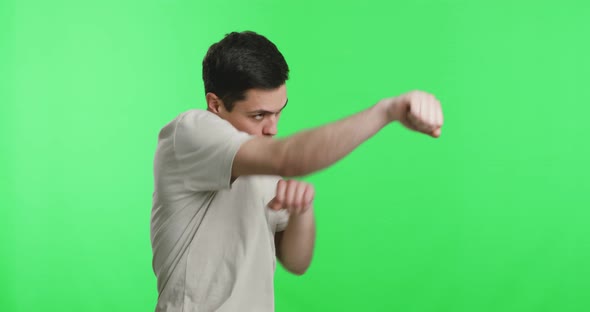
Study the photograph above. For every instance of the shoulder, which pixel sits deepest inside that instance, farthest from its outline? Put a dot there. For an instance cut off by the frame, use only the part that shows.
(203, 125)
(186, 119)
(198, 117)
(194, 114)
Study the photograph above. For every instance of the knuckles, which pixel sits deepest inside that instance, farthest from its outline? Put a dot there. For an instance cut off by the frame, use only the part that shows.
(302, 195)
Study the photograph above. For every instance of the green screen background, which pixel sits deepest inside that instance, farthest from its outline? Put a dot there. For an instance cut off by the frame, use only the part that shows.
(493, 216)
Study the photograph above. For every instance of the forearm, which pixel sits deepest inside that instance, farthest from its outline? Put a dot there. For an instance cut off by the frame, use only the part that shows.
(315, 149)
(295, 249)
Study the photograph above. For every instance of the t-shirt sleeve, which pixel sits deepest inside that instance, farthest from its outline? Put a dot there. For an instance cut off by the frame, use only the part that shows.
(282, 219)
(205, 146)
(279, 219)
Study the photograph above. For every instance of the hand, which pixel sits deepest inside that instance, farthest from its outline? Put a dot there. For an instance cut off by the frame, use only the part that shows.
(295, 196)
(416, 110)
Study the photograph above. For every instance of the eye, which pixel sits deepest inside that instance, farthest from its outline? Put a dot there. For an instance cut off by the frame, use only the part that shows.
(258, 117)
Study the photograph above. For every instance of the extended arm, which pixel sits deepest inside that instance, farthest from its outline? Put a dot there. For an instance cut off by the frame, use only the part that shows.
(312, 150)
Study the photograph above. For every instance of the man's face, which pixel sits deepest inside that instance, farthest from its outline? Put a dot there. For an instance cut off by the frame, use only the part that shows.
(259, 113)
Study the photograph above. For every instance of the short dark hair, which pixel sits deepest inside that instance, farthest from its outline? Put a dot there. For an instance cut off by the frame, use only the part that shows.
(242, 61)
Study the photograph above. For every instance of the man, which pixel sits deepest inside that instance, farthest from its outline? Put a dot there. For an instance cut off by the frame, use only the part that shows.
(221, 211)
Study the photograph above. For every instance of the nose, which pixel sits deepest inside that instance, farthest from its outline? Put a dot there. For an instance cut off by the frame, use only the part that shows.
(270, 128)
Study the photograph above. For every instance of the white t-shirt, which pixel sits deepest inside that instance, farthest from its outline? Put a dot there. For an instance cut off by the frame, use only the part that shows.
(212, 241)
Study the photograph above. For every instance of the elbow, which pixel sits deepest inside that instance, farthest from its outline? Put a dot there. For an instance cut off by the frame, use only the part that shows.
(295, 266)
(299, 270)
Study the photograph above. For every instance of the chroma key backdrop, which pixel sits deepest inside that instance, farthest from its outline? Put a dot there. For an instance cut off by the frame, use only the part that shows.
(492, 216)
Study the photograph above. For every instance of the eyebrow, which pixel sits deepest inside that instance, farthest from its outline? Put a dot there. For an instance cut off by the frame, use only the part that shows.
(262, 111)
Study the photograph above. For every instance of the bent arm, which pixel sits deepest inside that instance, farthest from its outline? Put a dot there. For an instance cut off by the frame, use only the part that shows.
(294, 246)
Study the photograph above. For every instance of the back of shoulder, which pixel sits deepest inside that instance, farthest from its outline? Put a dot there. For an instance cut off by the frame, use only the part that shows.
(202, 120)
(203, 127)
(194, 124)
(196, 115)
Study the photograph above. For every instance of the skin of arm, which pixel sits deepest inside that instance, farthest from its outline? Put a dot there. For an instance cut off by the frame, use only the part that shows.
(316, 149)
(294, 246)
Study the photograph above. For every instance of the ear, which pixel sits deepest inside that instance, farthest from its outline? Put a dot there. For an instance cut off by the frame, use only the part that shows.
(214, 104)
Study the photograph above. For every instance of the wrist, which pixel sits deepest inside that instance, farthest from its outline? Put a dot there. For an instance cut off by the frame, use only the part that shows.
(386, 109)
(301, 217)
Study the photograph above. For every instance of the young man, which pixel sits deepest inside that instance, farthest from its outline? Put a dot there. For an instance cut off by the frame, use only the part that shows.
(221, 211)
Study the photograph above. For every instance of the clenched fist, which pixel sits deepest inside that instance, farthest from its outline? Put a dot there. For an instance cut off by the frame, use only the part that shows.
(416, 110)
(295, 196)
